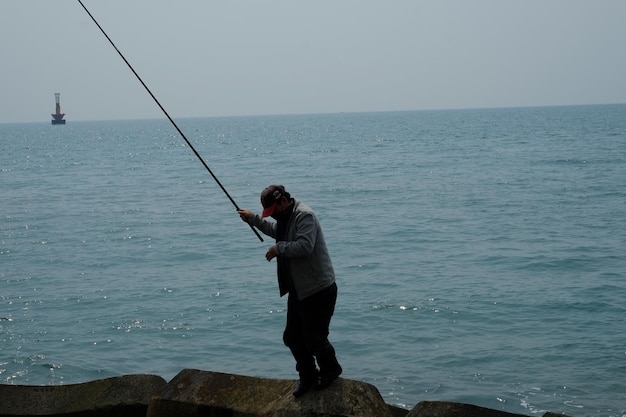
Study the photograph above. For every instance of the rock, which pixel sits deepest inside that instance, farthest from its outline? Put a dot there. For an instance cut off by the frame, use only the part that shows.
(200, 393)
(126, 396)
(397, 411)
(205, 393)
(448, 409)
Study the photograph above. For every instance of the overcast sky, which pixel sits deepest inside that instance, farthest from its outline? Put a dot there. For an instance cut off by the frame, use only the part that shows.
(204, 58)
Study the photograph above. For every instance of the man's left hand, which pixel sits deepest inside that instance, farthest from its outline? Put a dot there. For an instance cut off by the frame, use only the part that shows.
(272, 252)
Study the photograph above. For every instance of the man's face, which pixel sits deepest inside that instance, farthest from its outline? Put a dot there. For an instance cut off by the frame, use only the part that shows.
(281, 205)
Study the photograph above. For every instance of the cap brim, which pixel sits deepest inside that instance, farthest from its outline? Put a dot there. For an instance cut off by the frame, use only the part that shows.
(268, 211)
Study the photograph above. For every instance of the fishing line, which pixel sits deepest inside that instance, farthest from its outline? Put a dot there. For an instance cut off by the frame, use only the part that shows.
(168, 116)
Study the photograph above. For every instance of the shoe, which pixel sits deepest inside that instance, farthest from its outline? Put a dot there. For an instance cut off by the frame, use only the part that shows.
(304, 385)
(327, 380)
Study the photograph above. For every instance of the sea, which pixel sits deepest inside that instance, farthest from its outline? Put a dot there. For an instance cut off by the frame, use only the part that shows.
(480, 254)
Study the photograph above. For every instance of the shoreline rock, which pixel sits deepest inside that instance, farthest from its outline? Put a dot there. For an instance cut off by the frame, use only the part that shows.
(194, 393)
(126, 395)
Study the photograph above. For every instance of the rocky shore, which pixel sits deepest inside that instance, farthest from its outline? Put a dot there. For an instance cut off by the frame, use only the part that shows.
(194, 393)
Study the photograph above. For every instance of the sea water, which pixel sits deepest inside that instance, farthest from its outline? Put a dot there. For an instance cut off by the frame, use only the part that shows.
(480, 254)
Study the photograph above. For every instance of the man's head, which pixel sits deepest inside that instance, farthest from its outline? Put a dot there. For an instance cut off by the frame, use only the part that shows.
(274, 200)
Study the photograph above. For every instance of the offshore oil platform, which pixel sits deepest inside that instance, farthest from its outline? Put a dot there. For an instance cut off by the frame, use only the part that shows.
(57, 118)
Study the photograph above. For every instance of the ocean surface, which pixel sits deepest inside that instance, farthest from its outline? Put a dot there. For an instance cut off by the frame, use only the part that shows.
(480, 254)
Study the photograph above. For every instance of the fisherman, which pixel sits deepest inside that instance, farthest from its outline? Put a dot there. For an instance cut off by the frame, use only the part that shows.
(305, 272)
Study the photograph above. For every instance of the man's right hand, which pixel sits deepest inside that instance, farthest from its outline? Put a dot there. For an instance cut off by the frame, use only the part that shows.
(245, 214)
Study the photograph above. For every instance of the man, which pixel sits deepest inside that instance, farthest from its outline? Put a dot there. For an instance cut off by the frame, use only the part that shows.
(306, 273)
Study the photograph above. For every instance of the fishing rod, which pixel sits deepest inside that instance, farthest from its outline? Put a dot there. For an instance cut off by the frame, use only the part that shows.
(168, 116)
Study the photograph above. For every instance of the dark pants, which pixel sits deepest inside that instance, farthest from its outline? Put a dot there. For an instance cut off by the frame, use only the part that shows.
(306, 333)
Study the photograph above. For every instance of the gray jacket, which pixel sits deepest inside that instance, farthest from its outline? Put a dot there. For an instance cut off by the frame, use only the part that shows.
(309, 262)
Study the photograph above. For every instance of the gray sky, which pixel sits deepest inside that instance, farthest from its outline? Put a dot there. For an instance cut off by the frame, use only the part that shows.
(205, 58)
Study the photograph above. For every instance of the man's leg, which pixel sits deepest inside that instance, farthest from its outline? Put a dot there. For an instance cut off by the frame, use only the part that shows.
(315, 314)
(294, 340)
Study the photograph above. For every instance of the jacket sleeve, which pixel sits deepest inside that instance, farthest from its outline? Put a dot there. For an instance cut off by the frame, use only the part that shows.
(305, 237)
(268, 228)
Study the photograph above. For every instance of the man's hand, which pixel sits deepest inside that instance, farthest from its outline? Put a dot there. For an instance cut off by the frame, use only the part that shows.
(272, 252)
(245, 214)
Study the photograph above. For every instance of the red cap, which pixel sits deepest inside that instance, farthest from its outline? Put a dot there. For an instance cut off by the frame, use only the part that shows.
(270, 197)
(268, 211)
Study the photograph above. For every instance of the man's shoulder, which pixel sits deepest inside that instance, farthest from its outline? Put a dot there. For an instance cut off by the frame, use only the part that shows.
(301, 207)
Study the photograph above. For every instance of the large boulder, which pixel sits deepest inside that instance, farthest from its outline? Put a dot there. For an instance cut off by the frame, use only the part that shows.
(126, 396)
(451, 409)
(200, 393)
